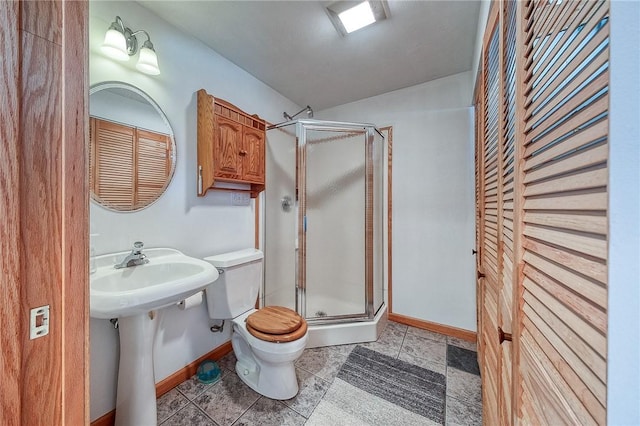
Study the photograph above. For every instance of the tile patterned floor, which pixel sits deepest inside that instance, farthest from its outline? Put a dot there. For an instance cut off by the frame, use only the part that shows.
(230, 402)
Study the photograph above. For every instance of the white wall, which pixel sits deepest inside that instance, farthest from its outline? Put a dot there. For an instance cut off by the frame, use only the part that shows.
(197, 226)
(623, 378)
(485, 5)
(433, 196)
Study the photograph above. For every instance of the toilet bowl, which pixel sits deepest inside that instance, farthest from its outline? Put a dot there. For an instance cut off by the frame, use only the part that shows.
(266, 341)
(267, 367)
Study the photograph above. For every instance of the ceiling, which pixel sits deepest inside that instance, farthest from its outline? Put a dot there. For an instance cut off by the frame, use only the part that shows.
(293, 47)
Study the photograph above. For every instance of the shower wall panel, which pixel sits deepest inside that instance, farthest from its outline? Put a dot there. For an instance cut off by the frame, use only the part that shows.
(280, 223)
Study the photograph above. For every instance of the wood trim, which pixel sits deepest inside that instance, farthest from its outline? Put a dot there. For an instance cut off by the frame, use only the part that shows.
(44, 200)
(10, 307)
(448, 330)
(257, 223)
(389, 130)
(75, 214)
(109, 419)
(173, 380)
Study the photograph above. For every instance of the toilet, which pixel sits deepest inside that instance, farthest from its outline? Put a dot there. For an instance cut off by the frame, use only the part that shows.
(266, 341)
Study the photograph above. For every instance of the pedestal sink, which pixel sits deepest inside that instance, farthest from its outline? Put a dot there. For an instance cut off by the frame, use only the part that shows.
(134, 295)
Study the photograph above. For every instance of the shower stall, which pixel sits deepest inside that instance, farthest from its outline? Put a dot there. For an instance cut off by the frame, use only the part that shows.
(324, 227)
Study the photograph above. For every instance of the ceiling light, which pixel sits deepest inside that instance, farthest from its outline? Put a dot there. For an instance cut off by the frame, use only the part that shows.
(357, 17)
(349, 16)
(120, 43)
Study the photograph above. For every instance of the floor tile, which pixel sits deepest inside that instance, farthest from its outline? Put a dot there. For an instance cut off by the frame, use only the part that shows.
(227, 400)
(169, 404)
(462, 359)
(426, 334)
(228, 362)
(192, 388)
(390, 340)
(268, 412)
(312, 389)
(323, 362)
(231, 402)
(190, 415)
(421, 347)
(462, 413)
(464, 386)
(424, 363)
(395, 328)
(462, 343)
(345, 404)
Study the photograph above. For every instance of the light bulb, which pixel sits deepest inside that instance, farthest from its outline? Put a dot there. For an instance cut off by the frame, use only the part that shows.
(115, 45)
(148, 60)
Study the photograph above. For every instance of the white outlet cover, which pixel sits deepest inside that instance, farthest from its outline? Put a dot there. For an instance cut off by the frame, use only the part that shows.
(36, 331)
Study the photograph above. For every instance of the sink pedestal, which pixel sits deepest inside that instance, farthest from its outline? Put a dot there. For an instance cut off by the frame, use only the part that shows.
(136, 397)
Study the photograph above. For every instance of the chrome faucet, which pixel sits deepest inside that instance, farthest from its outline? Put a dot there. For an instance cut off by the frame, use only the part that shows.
(135, 258)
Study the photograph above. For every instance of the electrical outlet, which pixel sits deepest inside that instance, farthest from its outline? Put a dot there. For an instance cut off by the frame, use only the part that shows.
(240, 199)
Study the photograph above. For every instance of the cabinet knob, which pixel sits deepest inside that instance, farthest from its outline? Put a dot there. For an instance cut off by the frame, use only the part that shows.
(243, 152)
(481, 275)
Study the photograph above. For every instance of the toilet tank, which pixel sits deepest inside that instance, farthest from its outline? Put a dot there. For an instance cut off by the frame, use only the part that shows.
(237, 287)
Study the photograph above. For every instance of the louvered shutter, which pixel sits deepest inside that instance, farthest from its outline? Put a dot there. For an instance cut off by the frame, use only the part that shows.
(490, 238)
(152, 166)
(563, 321)
(509, 128)
(113, 163)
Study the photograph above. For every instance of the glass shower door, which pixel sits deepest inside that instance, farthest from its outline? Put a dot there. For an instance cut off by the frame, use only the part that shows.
(335, 222)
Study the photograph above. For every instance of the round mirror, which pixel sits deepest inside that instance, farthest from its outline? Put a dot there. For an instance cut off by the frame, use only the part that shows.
(132, 149)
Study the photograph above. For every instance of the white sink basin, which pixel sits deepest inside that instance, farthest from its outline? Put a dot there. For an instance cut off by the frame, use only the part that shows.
(169, 277)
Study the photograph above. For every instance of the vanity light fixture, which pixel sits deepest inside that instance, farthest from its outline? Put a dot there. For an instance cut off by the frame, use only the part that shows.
(349, 16)
(120, 43)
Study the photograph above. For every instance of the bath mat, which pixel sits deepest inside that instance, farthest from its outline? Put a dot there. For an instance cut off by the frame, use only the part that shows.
(413, 388)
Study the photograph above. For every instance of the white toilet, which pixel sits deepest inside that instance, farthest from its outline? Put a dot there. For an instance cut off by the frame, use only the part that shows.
(266, 341)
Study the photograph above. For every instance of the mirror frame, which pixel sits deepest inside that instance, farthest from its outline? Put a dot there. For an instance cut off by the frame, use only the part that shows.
(104, 85)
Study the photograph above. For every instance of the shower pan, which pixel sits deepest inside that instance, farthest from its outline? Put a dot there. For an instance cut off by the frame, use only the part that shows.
(323, 222)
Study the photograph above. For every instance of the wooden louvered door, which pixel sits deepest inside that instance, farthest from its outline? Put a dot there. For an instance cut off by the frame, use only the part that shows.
(542, 178)
(488, 275)
(563, 326)
(508, 127)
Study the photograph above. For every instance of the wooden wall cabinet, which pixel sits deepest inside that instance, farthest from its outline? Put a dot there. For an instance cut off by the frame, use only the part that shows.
(231, 147)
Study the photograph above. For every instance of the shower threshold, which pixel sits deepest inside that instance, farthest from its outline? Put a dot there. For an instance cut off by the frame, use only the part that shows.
(347, 332)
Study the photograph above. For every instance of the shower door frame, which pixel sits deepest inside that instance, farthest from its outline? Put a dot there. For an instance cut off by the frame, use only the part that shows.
(367, 130)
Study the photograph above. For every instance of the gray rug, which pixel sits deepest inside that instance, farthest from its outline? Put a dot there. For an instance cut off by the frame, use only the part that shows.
(413, 388)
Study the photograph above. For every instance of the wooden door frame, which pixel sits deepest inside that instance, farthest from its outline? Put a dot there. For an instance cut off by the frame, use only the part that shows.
(45, 204)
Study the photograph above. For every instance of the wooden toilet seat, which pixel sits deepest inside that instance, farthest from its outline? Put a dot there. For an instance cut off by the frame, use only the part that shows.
(276, 324)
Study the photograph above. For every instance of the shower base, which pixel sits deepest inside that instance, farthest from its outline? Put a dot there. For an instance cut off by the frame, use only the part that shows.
(349, 332)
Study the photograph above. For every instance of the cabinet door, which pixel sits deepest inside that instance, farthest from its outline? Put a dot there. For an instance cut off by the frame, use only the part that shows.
(228, 144)
(252, 155)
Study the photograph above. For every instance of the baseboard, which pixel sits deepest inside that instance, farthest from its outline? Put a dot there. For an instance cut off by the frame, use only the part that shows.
(108, 419)
(432, 326)
(173, 380)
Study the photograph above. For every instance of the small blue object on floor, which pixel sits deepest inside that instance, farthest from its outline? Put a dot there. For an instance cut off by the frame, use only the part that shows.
(208, 372)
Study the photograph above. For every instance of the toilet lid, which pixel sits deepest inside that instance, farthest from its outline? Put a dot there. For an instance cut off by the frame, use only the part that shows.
(276, 324)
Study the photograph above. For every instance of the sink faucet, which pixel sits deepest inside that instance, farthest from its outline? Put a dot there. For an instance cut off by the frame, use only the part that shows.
(135, 258)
